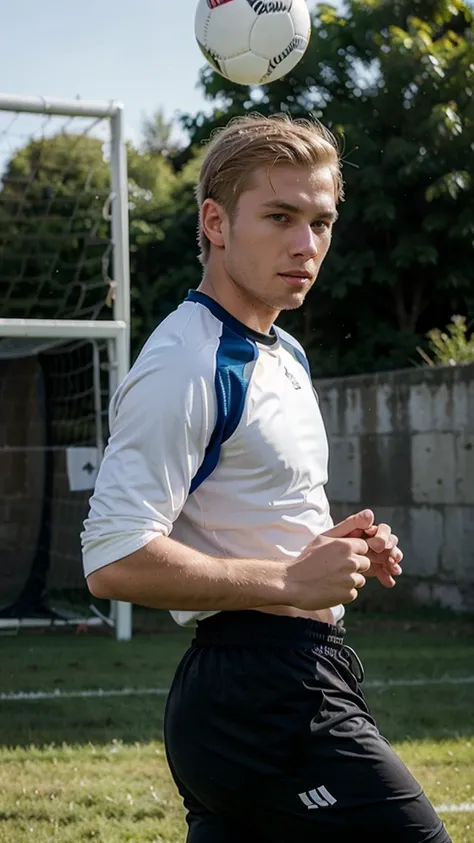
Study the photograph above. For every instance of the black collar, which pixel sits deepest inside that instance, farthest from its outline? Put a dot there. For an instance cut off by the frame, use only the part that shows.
(230, 321)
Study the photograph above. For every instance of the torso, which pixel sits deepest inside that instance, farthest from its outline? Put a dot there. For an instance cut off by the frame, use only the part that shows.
(265, 497)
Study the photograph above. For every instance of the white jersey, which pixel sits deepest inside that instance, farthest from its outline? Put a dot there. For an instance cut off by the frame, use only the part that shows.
(216, 438)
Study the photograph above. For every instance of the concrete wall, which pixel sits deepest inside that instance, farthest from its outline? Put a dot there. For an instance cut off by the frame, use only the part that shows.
(402, 443)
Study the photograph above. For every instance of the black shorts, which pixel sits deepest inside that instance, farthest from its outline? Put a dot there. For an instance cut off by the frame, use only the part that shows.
(269, 738)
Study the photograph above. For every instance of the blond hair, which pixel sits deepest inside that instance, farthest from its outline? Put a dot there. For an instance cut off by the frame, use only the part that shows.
(251, 142)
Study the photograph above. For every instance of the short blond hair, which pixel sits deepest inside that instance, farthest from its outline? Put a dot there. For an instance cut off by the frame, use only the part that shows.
(251, 142)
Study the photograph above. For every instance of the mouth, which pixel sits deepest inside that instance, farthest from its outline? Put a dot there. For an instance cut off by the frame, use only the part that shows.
(296, 278)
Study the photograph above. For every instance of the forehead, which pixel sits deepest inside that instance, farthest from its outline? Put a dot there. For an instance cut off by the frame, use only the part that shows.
(295, 185)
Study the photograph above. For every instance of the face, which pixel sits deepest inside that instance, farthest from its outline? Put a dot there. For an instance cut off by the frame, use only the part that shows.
(273, 247)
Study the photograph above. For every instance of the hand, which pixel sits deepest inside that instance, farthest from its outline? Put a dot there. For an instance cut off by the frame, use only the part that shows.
(331, 569)
(384, 554)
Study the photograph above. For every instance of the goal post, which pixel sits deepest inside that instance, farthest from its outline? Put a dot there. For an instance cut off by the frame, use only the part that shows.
(64, 299)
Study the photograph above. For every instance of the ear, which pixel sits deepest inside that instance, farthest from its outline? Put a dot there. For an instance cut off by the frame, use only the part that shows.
(213, 222)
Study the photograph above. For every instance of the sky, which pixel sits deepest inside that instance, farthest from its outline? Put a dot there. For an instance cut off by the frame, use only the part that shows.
(141, 52)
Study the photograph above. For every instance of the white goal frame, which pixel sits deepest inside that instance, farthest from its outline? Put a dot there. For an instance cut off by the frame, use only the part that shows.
(117, 330)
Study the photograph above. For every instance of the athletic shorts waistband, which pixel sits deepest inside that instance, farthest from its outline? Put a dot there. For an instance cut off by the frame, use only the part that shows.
(253, 628)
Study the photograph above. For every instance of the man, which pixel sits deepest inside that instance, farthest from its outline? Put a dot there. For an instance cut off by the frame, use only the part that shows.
(210, 502)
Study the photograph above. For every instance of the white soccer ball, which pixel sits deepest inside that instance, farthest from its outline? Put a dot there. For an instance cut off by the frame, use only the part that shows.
(252, 42)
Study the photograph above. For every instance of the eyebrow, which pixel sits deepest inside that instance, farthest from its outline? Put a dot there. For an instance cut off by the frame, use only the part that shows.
(294, 209)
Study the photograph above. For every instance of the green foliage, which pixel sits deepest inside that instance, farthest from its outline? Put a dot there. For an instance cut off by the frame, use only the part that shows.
(55, 239)
(63, 163)
(53, 236)
(164, 263)
(451, 347)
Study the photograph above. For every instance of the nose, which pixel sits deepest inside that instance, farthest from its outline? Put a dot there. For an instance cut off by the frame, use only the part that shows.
(304, 242)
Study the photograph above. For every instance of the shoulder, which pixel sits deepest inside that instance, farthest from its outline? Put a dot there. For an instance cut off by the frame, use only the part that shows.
(294, 347)
(184, 344)
(175, 368)
(187, 333)
(192, 341)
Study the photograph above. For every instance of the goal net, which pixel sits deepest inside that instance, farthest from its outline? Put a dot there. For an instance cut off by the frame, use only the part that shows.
(64, 336)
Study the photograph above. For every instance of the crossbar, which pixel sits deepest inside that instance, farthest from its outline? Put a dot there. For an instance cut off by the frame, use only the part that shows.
(51, 105)
(85, 329)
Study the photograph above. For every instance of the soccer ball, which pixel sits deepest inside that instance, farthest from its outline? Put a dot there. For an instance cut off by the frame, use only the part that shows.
(252, 42)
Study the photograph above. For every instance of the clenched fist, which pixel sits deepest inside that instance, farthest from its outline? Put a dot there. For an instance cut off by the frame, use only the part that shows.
(384, 554)
(335, 565)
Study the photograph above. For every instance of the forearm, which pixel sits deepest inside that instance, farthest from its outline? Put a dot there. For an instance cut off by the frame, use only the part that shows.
(168, 575)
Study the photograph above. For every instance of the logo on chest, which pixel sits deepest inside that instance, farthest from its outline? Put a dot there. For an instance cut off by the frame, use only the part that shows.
(292, 379)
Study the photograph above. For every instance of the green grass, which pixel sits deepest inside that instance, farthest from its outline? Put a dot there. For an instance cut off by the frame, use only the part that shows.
(75, 770)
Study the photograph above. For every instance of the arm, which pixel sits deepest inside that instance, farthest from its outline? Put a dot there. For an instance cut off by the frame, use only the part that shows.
(166, 574)
(161, 421)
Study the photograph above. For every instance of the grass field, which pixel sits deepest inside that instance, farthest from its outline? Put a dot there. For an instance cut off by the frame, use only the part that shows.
(77, 768)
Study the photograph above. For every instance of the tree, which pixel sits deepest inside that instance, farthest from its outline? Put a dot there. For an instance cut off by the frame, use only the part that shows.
(55, 239)
(158, 135)
(394, 80)
(53, 235)
(164, 252)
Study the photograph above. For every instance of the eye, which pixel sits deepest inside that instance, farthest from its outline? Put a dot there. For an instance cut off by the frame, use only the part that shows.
(322, 225)
(278, 217)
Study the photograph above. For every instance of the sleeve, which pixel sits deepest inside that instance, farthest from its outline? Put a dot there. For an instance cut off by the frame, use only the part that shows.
(161, 420)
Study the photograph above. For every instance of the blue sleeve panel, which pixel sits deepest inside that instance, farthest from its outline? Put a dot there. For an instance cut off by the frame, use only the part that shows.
(231, 383)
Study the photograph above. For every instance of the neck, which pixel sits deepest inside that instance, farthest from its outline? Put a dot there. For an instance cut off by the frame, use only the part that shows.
(237, 301)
